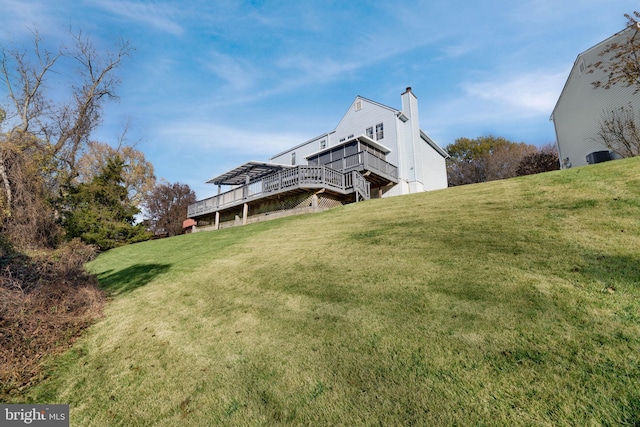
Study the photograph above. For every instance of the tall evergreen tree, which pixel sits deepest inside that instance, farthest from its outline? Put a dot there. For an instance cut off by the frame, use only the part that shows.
(100, 212)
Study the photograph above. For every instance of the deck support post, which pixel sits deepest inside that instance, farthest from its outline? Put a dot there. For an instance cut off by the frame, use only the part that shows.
(216, 222)
(314, 202)
(245, 213)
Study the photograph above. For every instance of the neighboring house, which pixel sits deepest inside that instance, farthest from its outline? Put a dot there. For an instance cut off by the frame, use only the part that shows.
(581, 108)
(375, 151)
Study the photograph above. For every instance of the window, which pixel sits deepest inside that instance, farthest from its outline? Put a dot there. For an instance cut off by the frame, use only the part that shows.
(358, 105)
(350, 136)
(379, 132)
(323, 144)
(343, 139)
(581, 66)
(370, 132)
(293, 158)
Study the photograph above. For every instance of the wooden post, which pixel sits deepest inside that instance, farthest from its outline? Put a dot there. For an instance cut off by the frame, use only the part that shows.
(245, 213)
(216, 223)
(314, 202)
(245, 189)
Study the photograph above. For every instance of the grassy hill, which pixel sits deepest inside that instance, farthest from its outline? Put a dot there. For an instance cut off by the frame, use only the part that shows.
(513, 302)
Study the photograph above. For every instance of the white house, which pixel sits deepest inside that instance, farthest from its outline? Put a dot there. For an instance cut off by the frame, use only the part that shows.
(579, 112)
(374, 151)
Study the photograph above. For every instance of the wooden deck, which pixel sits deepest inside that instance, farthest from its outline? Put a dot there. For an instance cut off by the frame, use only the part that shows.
(286, 180)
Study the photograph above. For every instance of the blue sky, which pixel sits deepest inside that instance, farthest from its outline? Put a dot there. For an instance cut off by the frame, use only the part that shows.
(212, 84)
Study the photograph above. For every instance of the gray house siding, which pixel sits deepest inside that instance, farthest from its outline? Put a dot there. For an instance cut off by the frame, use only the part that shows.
(580, 108)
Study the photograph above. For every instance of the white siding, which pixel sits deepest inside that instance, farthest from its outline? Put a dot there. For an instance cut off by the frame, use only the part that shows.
(433, 167)
(370, 114)
(302, 151)
(420, 166)
(580, 108)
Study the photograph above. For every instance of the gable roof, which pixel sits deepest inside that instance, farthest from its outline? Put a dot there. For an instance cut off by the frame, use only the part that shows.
(581, 55)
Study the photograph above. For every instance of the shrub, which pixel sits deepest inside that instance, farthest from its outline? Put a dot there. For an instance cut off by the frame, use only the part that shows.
(46, 300)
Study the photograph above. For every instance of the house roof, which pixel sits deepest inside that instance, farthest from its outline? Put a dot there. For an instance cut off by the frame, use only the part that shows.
(253, 170)
(433, 145)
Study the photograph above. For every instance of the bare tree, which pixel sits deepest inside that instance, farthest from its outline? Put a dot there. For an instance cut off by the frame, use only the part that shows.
(60, 129)
(167, 207)
(621, 60)
(76, 120)
(618, 131)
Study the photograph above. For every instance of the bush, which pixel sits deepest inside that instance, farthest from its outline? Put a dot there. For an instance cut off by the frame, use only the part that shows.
(544, 160)
(46, 300)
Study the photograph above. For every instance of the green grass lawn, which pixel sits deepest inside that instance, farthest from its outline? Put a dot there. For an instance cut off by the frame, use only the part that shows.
(514, 302)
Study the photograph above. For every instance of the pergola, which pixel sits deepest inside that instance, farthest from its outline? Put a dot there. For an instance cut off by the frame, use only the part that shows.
(246, 173)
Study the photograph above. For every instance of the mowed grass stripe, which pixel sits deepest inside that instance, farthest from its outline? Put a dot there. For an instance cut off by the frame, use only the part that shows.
(506, 303)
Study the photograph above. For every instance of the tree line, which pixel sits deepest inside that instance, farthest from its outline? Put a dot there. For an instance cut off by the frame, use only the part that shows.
(489, 158)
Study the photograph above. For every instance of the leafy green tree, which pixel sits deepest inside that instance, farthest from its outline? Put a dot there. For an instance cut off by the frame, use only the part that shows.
(100, 212)
(138, 176)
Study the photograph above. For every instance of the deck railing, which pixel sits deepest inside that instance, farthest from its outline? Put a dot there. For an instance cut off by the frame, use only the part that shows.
(285, 179)
(340, 175)
(364, 161)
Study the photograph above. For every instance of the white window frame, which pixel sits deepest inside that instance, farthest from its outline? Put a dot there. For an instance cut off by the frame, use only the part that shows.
(379, 131)
(293, 158)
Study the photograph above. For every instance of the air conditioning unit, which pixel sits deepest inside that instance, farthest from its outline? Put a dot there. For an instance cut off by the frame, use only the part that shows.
(598, 157)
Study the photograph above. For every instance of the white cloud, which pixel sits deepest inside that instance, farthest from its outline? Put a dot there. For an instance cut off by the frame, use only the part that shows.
(531, 93)
(19, 19)
(239, 74)
(156, 15)
(214, 137)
